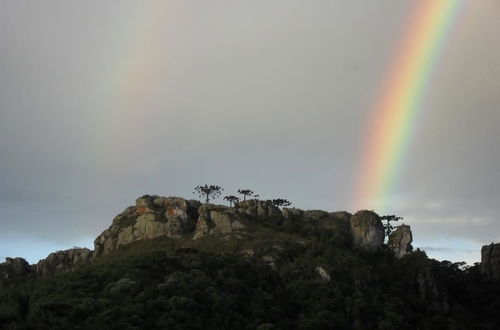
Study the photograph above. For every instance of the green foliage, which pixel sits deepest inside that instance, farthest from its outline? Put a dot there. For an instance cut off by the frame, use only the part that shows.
(209, 284)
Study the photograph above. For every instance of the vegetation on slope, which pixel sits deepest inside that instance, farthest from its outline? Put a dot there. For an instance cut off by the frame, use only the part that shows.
(265, 278)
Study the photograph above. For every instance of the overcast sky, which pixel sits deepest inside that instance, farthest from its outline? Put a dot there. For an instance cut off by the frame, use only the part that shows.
(104, 101)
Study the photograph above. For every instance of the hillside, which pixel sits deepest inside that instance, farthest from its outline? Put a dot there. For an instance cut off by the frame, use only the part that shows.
(174, 263)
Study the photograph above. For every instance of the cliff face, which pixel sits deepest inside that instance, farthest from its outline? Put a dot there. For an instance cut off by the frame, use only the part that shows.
(62, 261)
(400, 241)
(367, 230)
(216, 219)
(490, 261)
(151, 217)
(12, 268)
(57, 262)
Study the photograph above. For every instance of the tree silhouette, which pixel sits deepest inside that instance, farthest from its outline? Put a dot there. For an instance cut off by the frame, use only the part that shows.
(281, 202)
(387, 226)
(231, 199)
(208, 192)
(246, 192)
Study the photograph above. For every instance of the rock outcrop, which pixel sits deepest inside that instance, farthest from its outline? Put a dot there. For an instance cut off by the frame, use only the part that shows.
(335, 223)
(490, 261)
(62, 261)
(13, 268)
(217, 219)
(151, 217)
(292, 213)
(258, 208)
(367, 230)
(400, 241)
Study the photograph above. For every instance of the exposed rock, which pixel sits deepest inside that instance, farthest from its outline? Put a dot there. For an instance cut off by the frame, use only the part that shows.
(258, 208)
(323, 274)
(400, 241)
(62, 261)
(335, 223)
(16, 266)
(217, 219)
(13, 268)
(490, 261)
(270, 261)
(367, 230)
(292, 212)
(343, 215)
(315, 215)
(151, 217)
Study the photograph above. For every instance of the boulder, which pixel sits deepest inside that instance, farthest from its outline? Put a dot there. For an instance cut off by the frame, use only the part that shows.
(217, 219)
(490, 261)
(400, 241)
(62, 261)
(323, 273)
(151, 217)
(367, 230)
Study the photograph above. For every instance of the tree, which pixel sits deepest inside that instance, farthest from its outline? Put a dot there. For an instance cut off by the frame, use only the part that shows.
(208, 192)
(247, 192)
(231, 199)
(387, 226)
(281, 202)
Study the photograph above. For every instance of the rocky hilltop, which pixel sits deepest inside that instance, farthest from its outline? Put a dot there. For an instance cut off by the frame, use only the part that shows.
(169, 262)
(150, 217)
(175, 217)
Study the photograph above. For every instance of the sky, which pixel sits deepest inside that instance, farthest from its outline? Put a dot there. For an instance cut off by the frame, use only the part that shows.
(102, 102)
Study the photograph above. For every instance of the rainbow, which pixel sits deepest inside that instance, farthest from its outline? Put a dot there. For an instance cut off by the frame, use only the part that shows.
(400, 100)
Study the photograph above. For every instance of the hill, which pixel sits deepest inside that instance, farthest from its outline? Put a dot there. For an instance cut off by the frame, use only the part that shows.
(171, 263)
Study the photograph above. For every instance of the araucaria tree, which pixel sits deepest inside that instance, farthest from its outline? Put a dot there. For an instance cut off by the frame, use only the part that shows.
(232, 200)
(388, 226)
(208, 192)
(247, 193)
(281, 202)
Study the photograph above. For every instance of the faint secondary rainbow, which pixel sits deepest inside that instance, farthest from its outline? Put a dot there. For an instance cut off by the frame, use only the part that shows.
(401, 99)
